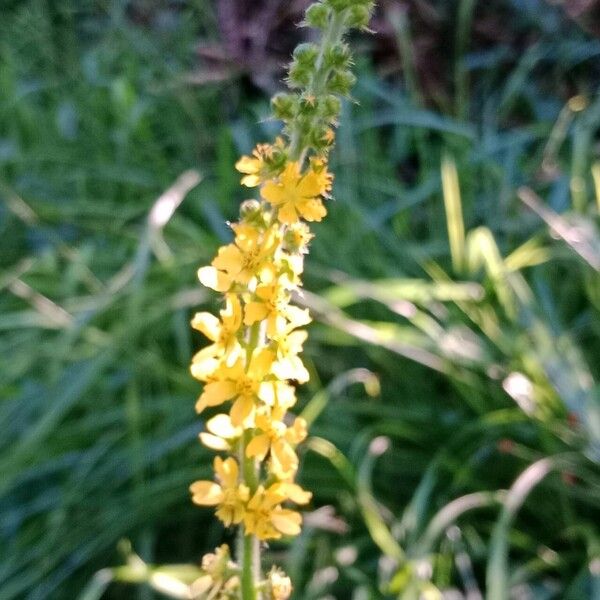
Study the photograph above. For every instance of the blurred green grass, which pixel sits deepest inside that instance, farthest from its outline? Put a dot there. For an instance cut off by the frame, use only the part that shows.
(481, 327)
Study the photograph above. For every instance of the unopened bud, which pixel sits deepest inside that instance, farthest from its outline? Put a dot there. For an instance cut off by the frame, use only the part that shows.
(331, 107)
(284, 106)
(339, 5)
(341, 82)
(358, 17)
(306, 54)
(299, 75)
(317, 15)
(338, 56)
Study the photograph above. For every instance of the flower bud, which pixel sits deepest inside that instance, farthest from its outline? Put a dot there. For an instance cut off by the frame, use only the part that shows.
(331, 107)
(299, 75)
(317, 15)
(279, 585)
(251, 212)
(358, 16)
(296, 238)
(284, 106)
(306, 55)
(339, 5)
(308, 105)
(341, 82)
(338, 56)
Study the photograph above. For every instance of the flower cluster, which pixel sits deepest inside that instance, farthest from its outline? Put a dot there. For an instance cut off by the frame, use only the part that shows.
(252, 365)
(253, 362)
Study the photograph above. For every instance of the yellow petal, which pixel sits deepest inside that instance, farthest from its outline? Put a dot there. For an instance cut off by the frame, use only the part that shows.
(290, 368)
(242, 408)
(297, 316)
(258, 447)
(260, 363)
(215, 393)
(310, 186)
(296, 339)
(255, 311)
(312, 210)
(298, 432)
(214, 442)
(250, 180)
(214, 279)
(207, 324)
(287, 521)
(292, 491)
(227, 471)
(284, 459)
(204, 364)
(273, 193)
(247, 164)
(221, 425)
(287, 214)
(206, 493)
(232, 313)
(229, 258)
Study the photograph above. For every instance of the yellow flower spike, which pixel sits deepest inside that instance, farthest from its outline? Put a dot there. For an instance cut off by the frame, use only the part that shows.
(222, 332)
(296, 195)
(253, 360)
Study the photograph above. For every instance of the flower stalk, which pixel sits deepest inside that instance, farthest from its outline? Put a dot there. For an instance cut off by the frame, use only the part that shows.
(252, 365)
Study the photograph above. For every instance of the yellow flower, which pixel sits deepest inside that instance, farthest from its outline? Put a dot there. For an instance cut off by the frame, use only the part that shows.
(279, 440)
(288, 364)
(267, 519)
(271, 304)
(296, 194)
(239, 384)
(222, 332)
(260, 165)
(221, 433)
(250, 257)
(297, 237)
(277, 393)
(229, 495)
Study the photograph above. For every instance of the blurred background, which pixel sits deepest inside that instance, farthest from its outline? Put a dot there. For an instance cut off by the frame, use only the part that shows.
(455, 285)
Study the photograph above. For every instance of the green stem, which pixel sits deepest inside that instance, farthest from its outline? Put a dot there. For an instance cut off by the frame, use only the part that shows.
(248, 550)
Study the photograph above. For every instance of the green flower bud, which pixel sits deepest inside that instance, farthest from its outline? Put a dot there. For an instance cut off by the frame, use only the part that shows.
(308, 105)
(284, 106)
(338, 56)
(251, 212)
(358, 16)
(249, 208)
(340, 82)
(299, 75)
(330, 107)
(306, 55)
(339, 5)
(317, 16)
